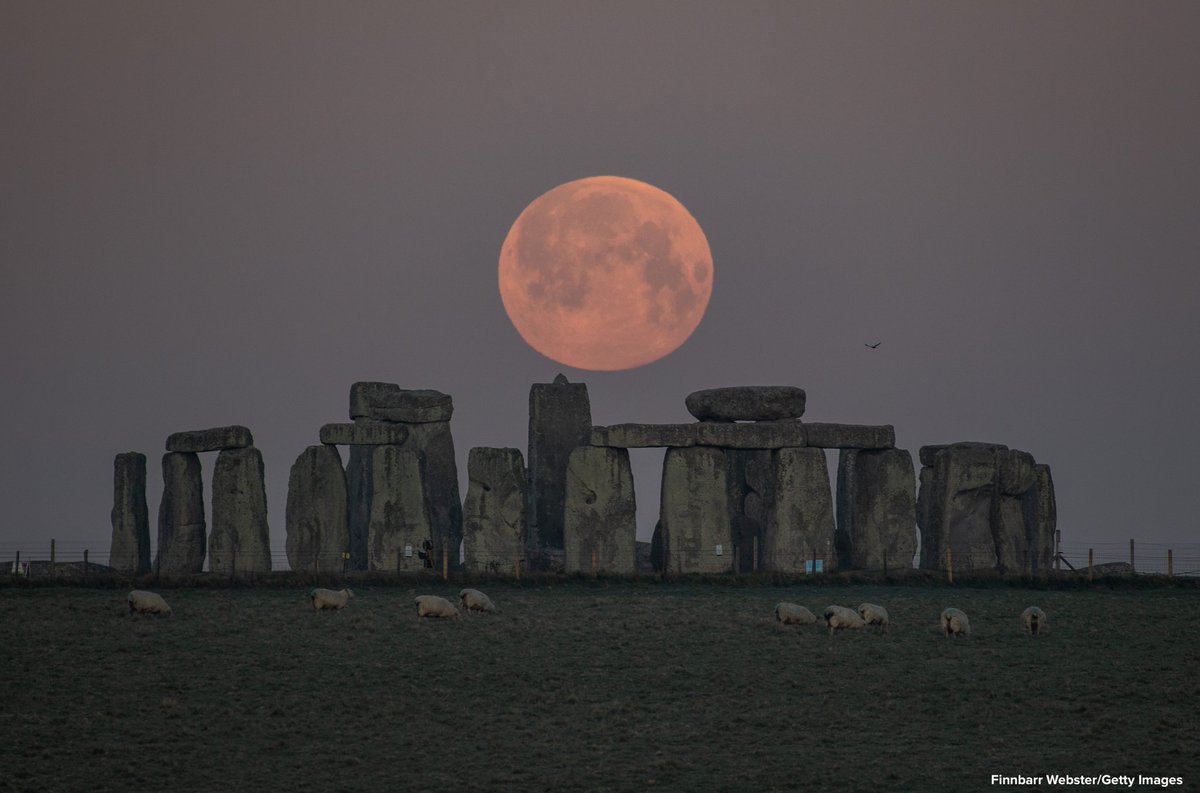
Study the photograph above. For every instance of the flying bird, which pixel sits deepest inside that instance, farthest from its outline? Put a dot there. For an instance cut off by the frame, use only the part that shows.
(872, 346)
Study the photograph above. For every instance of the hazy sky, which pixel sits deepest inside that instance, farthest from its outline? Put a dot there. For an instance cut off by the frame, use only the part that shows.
(217, 213)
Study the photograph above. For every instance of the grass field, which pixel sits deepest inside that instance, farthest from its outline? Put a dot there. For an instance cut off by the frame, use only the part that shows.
(587, 686)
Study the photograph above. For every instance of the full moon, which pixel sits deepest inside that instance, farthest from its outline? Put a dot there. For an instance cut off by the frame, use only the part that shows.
(605, 273)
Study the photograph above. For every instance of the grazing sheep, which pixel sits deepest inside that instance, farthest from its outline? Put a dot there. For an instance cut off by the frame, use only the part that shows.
(955, 622)
(839, 617)
(329, 598)
(874, 615)
(792, 614)
(474, 600)
(1034, 619)
(434, 606)
(144, 602)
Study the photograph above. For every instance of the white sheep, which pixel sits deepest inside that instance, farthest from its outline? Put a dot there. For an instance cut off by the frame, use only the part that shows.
(434, 606)
(840, 617)
(330, 598)
(955, 622)
(874, 615)
(792, 614)
(144, 602)
(474, 600)
(1034, 619)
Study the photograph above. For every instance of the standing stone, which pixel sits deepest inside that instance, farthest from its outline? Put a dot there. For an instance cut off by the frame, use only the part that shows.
(359, 486)
(435, 445)
(1014, 478)
(240, 541)
(1041, 520)
(494, 511)
(749, 481)
(130, 550)
(599, 514)
(800, 525)
(181, 542)
(957, 509)
(318, 528)
(695, 511)
(400, 536)
(876, 509)
(560, 419)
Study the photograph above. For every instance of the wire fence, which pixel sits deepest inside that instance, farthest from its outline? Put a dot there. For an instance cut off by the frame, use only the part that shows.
(69, 560)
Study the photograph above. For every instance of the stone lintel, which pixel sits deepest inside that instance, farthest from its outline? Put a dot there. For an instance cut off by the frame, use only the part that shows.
(851, 436)
(364, 434)
(211, 440)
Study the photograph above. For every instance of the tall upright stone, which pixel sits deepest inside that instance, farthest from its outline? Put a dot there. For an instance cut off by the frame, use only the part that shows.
(876, 509)
(359, 487)
(494, 511)
(750, 487)
(400, 536)
(181, 540)
(1015, 477)
(240, 541)
(435, 445)
(599, 512)
(560, 419)
(1041, 518)
(695, 511)
(130, 550)
(317, 518)
(800, 520)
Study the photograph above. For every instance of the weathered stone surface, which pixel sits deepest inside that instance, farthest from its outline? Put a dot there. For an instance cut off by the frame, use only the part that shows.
(850, 436)
(747, 403)
(560, 418)
(800, 523)
(318, 528)
(494, 510)
(181, 540)
(364, 433)
(636, 436)
(756, 435)
(390, 402)
(365, 395)
(1041, 519)
(748, 477)
(928, 454)
(240, 541)
(599, 515)
(435, 444)
(210, 440)
(415, 406)
(695, 511)
(876, 509)
(989, 504)
(958, 507)
(400, 531)
(130, 549)
(359, 488)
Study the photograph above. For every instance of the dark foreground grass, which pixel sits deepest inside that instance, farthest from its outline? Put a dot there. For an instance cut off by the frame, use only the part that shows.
(586, 687)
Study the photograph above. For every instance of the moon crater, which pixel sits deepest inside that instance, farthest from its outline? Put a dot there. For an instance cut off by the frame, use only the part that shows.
(605, 273)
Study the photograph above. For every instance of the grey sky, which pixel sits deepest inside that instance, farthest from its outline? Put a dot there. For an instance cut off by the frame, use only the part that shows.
(217, 213)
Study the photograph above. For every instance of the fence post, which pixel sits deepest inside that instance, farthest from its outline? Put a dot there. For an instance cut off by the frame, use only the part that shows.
(1132, 567)
(593, 561)
(53, 566)
(737, 560)
(17, 565)
(1058, 549)
(1170, 564)
(445, 559)
(517, 564)
(754, 554)
(1089, 564)
(949, 564)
